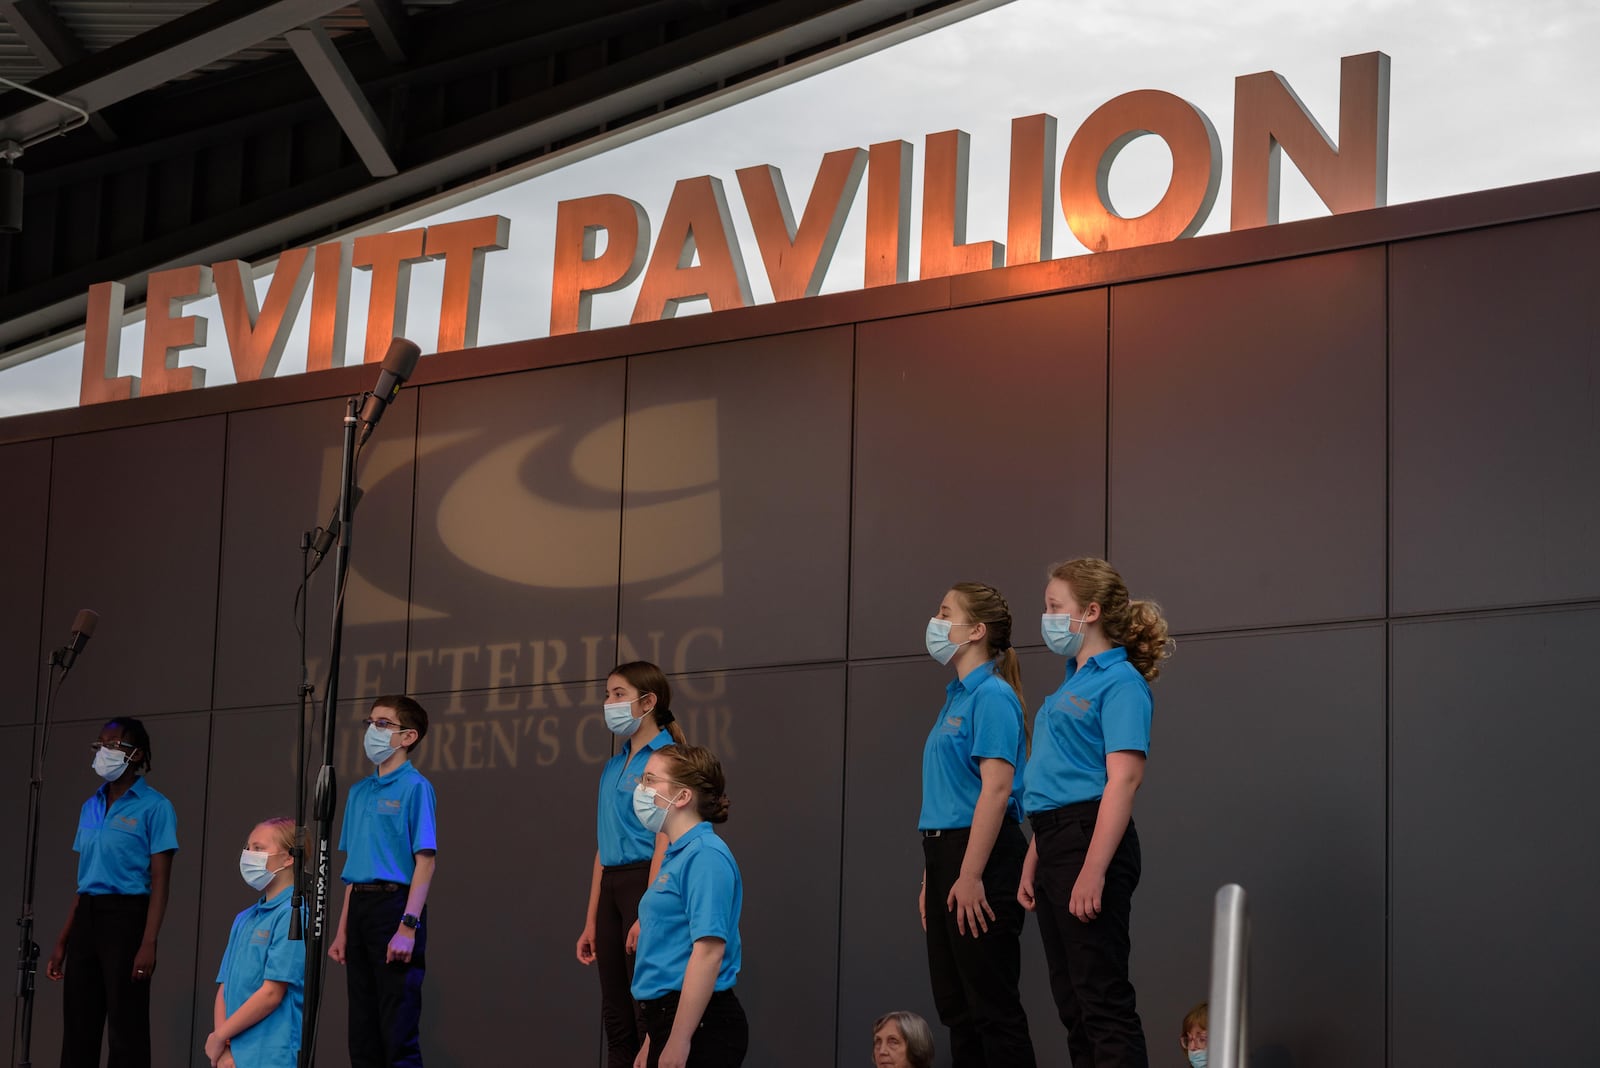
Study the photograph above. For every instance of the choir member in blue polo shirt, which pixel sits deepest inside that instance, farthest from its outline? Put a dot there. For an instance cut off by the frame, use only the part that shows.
(638, 710)
(689, 948)
(1090, 740)
(972, 841)
(389, 843)
(127, 834)
(256, 1020)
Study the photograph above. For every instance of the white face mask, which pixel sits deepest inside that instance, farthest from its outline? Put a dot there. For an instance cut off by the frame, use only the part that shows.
(619, 718)
(110, 763)
(253, 868)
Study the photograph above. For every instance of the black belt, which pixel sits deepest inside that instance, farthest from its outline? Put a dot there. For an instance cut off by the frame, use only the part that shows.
(378, 888)
(947, 831)
(637, 865)
(1077, 812)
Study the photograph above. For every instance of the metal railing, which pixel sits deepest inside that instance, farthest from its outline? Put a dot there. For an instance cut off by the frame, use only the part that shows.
(1228, 1041)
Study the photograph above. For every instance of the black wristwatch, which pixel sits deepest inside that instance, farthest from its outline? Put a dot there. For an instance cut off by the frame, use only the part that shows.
(411, 921)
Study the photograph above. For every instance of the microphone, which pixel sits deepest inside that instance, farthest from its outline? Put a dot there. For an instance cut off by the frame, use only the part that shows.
(326, 536)
(83, 625)
(398, 364)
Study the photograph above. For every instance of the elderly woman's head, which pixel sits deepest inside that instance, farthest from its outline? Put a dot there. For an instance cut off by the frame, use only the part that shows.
(902, 1040)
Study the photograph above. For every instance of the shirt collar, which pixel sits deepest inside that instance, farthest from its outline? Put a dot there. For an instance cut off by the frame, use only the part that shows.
(1101, 661)
(134, 790)
(974, 678)
(393, 776)
(277, 901)
(701, 828)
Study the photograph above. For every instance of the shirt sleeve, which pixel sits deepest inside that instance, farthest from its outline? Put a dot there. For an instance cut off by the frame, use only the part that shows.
(344, 819)
(1125, 717)
(708, 892)
(996, 724)
(78, 835)
(163, 827)
(420, 817)
(286, 960)
(222, 970)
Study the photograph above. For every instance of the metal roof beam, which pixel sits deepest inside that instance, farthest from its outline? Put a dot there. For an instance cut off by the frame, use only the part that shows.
(51, 41)
(391, 28)
(203, 36)
(344, 98)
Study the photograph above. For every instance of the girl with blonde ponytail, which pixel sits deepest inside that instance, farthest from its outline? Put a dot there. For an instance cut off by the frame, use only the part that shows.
(1090, 741)
(972, 842)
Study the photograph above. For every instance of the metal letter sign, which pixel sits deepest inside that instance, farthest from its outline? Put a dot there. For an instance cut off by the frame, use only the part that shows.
(695, 256)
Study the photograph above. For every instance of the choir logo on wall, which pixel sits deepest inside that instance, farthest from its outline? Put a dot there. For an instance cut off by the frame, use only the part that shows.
(606, 242)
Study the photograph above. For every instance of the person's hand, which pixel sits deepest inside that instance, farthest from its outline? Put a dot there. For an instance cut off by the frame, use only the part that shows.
(1030, 867)
(336, 948)
(216, 1046)
(632, 944)
(144, 963)
(1086, 895)
(922, 904)
(586, 945)
(968, 902)
(401, 945)
(226, 1061)
(57, 966)
(644, 1054)
(675, 1054)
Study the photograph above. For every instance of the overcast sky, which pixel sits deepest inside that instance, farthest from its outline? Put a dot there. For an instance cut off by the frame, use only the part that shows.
(1483, 93)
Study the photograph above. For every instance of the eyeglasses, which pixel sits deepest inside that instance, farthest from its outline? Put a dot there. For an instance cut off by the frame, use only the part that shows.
(1193, 1041)
(122, 747)
(384, 724)
(650, 782)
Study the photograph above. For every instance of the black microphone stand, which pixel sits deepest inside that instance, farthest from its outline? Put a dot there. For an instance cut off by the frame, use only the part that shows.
(327, 780)
(27, 948)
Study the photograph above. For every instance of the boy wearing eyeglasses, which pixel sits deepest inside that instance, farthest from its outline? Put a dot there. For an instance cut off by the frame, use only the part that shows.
(389, 843)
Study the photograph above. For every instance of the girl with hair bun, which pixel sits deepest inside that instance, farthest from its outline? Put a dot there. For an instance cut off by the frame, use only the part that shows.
(1090, 740)
(971, 824)
(689, 947)
(127, 835)
(638, 711)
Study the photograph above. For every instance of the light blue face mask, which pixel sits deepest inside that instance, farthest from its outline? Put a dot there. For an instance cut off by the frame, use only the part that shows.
(619, 719)
(378, 744)
(253, 869)
(1197, 1058)
(1059, 637)
(652, 815)
(937, 639)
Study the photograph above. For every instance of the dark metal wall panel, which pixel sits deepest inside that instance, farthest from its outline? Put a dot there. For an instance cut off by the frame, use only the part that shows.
(283, 480)
(25, 489)
(1247, 438)
(737, 500)
(518, 520)
(134, 518)
(1494, 855)
(980, 454)
(179, 747)
(1496, 337)
(1267, 768)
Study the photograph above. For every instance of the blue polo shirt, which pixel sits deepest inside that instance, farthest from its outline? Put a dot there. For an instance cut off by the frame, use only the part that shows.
(623, 839)
(258, 950)
(981, 718)
(388, 820)
(697, 894)
(1102, 707)
(114, 847)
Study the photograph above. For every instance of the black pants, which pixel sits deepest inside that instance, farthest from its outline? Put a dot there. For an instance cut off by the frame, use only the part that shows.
(975, 979)
(385, 999)
(1089, 961)
(719, 1042)
(101, 994)
(621, 888)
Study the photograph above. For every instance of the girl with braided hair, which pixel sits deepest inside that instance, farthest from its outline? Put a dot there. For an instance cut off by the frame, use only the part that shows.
(972, 842)
(1091, 738)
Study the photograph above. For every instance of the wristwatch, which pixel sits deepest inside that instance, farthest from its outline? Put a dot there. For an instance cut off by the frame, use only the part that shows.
(411, 921)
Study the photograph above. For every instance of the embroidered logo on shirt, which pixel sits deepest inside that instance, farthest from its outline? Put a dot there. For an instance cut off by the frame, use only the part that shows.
(1080, 703)
(953, 723)
(262, 936)
(388, 806)
(662, 879)
(128, 823)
